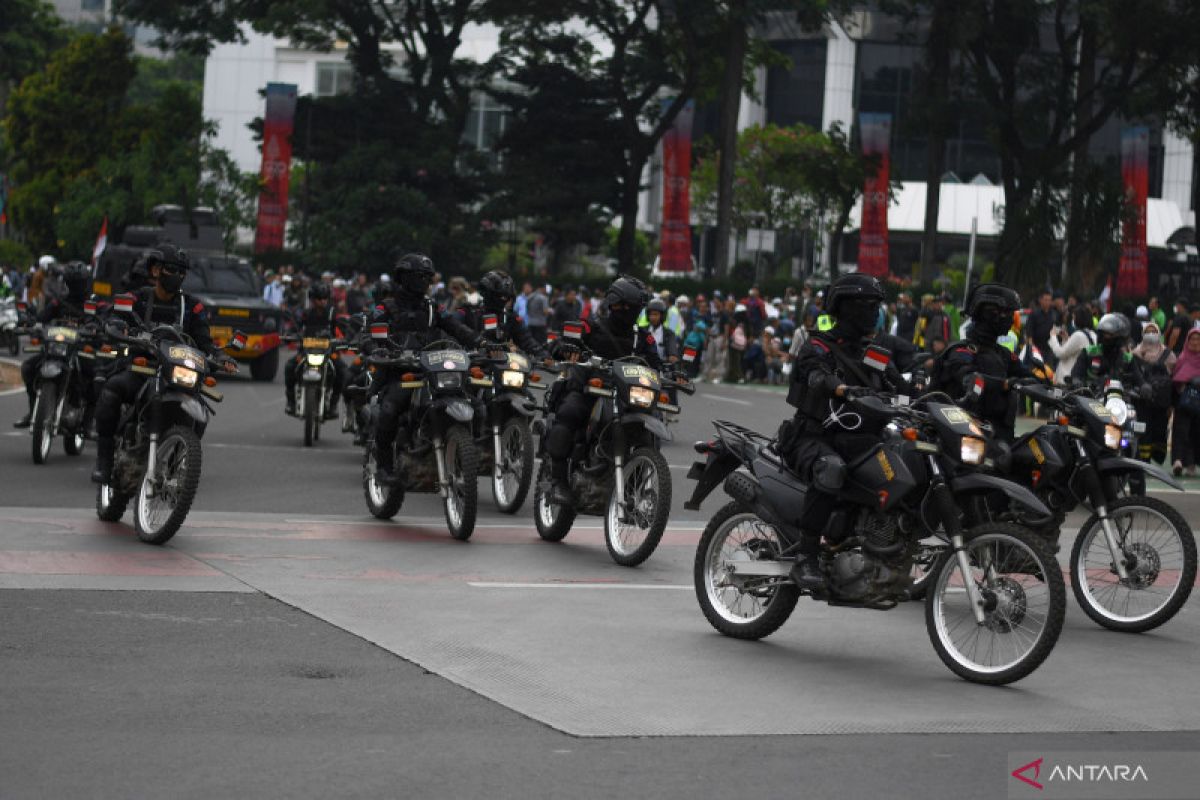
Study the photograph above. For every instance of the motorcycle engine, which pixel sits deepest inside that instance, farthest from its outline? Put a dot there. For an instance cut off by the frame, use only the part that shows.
(881, 534)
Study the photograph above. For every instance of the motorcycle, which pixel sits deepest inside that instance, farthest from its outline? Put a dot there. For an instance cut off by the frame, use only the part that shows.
(510, 406)
(439, 454)
(317, 377)
(10, 325)
(998, 599)
(616, 469)
(60, 396)
(157, 459)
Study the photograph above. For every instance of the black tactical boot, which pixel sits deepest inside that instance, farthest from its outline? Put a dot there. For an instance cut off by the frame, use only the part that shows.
(27, 420)
(105, 447)
(384, 466)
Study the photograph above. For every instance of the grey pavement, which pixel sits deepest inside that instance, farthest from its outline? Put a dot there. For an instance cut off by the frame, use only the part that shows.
(548, 658)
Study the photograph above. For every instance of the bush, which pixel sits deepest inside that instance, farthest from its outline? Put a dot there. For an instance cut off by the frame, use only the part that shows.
(15, 254)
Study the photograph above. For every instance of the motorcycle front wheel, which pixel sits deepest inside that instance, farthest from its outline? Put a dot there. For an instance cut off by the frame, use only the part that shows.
(511, 485)
(1159, 550)
(110, 504)
(163, 503)
(632, 533)
(744, 608)
(1024, 603)
(553, 521)
(462, 473)
(311, 412)
(43, 421)
(382, 501)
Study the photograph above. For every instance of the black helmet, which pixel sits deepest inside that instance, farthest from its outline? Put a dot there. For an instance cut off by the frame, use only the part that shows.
(78, 278)
(1113, 329)
(497, 289)
(625, 299)
(318, 291)
(169, 254)
(414, 273)
(855, 286)
(1005, 298)
(657, 304)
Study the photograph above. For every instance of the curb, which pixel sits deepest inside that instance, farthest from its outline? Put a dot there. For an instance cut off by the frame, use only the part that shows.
(6, 364)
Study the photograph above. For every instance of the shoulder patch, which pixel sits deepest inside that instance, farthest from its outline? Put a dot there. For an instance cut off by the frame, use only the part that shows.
(818, 344)
(198, 308)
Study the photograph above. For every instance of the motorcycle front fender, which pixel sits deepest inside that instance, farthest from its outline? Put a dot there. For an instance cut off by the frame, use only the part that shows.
(1118, 464)
(50, 369)
(655, 426)
(519, 402)
(191, 405)
(458, 410)
(974, 483)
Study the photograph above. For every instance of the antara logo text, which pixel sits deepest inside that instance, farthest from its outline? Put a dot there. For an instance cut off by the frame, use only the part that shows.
(1031, 773)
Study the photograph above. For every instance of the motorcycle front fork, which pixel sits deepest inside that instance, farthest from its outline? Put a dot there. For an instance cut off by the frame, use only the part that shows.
(152, 456)
(953, 527)
(497, 458)
(439, 455)
(1095, 487)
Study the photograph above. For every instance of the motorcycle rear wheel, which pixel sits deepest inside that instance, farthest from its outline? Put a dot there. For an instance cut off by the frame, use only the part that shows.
(736, 533)
(43, 421)
(462, 471)
(648, 501)
(516, 466)
(177, 476)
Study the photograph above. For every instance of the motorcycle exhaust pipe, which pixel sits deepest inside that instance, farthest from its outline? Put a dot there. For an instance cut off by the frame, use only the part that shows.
(439, 448)
(496, 459)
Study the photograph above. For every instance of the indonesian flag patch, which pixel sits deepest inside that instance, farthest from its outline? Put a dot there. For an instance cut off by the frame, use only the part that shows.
(490, 322)
(977, 387)
(573, 331)
(123, 302)
(689, 354)
(551, 336)
(239, 341)
(89, 308)
(379, 331)
(877, 358)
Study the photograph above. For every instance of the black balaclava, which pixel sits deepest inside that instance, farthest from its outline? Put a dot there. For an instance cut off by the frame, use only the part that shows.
(171, 283)
(623, 317)
(858, 318)
(989, 323)
(494, 301)
(412, 286)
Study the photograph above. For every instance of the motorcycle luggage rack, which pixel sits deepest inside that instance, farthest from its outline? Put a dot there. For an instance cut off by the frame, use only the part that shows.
(741, 432)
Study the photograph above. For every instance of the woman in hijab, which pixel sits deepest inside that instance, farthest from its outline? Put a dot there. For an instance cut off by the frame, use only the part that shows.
(1157, 361)
(1185, 432)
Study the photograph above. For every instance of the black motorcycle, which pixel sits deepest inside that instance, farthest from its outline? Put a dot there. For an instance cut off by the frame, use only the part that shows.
(315, 383)
(616, 469)
(60, 396)
(157, 459)
(438, 454)
(998, 600)
(504, 432)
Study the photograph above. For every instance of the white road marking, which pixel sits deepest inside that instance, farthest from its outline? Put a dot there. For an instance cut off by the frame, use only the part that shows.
(729, 399)
(503, 585)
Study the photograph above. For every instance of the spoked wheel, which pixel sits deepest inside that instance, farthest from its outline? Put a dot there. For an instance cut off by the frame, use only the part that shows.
(1024, 602)
(742, 607)
(462, 472)
(1159, 550)
(347, 416)
(163, 503)
(43, 421)
(73, 441)
(110, 503)
(633, 532)
(382, 501)
(311, 413)
(553, 521)
(516, 466)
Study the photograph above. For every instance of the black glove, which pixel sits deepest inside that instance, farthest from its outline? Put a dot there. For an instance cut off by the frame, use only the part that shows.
(853, 392)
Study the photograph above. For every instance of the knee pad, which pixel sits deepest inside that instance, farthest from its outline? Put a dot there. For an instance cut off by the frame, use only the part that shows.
(829, 473)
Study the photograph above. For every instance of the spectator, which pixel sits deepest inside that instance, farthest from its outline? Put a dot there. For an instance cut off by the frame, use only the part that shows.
(905, 323)
(458, 289)
(521, 303)
(1157, 361)
(567, 308)
(1067, 349)
(756, 311)
(1185, 431)
(933, 327)
(773, 354)
(1039, 325)
(717, 352)
(358, 297)
(536, 313)
(1157, 315)
(1181, 323)
(273, 291)
(738, 338)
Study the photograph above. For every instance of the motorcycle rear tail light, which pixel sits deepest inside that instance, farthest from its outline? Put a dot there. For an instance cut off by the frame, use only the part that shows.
(596, 383)
(408, 376)
(140, 361)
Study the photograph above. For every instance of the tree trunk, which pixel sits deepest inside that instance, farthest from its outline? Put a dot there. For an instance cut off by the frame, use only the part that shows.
(937, 88)
(1075, 244)
(731, 101)
(630, 189)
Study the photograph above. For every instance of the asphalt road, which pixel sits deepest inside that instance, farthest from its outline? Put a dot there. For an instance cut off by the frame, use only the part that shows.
(257, 654)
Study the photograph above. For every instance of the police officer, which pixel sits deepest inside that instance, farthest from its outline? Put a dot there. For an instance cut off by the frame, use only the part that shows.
(77, 278)
(414, 321)
(832, 367)
(666, 343)
(162, 303)
(1110, 357)
(495, 320)
(319, 319)
(611, 336)
(981, 369)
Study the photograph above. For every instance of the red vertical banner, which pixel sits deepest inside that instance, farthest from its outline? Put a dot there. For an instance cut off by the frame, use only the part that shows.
(1133, 272)
(276, 166)
(876, 133)
(675, 236)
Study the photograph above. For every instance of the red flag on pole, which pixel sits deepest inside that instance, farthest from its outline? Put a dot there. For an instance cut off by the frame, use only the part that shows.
(876, 134)
(101, 243)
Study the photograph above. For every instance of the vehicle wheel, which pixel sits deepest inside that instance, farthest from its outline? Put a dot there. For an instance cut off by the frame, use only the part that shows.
(110, 504)
(516, 467)
(163, 504)
(1025, 601)
(1160, 544)
(73, 441)
(347, 416)
(43, 421)
(382, 501)
(745, 608)
(632, 534)
(462, 470)
(311, 412)
(265, 366)
(553, 521)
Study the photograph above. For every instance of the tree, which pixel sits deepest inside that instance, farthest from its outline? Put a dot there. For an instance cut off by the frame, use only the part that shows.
(29, 31)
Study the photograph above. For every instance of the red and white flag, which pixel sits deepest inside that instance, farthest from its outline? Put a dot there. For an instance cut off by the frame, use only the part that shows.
(89, 308)
(490, 322)
(101, 243)
(876, 359)
(573, 330)
(123, 303)
(379, 331)
(689, 354)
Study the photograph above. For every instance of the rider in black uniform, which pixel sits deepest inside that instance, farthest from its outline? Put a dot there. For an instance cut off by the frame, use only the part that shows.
(495, 319)
(319, 319)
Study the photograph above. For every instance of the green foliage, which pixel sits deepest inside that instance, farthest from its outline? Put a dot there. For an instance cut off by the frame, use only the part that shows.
(156, 75)
(29, 31)
(15, 254)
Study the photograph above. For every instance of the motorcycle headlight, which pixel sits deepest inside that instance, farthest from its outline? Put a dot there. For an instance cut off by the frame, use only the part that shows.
(57, 349)
(973, 450)
(641, 396)
(449, 380)
(182, 376)
(1112, 437)
(315, 359)
(1118, 408)
(513, 378)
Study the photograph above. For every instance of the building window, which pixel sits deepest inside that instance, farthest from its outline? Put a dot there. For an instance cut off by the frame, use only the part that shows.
(334, 77)
(486, 122)
(796, 94)
(91, 5)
